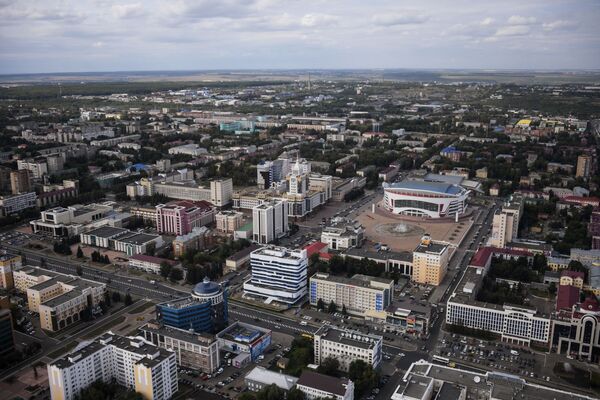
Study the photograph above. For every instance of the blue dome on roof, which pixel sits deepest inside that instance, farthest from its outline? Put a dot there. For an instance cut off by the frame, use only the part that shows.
(206, 288)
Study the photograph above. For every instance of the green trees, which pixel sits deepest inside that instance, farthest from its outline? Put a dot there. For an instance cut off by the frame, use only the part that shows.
(330, 366)
(108, 391)
(128, 300)
(363, 375)
(320, 304)
(99, 258)
(79, 252)
(79, 270)
(271, 392)
(175, 275)
(301, 354)
(62, 247)
(332, 308)
(165, 269)
(295, 394)
(116, 297)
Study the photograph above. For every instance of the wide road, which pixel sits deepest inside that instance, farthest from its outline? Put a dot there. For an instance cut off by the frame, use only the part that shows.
(135, 286)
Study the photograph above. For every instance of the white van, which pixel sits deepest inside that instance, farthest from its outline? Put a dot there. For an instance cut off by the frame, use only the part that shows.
(303, 323)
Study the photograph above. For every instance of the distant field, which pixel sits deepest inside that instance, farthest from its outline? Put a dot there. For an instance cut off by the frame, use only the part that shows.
(529, 78)
(519, 77)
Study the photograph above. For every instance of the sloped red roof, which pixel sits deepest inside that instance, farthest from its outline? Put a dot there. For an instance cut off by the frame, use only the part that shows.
(567, 297)
(313, 248)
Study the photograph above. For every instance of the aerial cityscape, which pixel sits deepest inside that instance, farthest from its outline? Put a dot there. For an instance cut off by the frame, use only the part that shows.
(264, 200)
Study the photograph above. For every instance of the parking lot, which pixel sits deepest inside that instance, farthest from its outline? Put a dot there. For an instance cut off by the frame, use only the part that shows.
(228, 381)
(495, 355)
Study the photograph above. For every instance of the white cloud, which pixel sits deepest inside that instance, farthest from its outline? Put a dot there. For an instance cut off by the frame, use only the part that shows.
(399, 19)
(487, 21)
(521, 20)
(313, 20)
(133, 10)
(513, 30)
(98, 44)
(558, 25)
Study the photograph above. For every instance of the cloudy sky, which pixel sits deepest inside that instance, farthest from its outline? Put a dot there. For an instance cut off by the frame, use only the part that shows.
(106, 35)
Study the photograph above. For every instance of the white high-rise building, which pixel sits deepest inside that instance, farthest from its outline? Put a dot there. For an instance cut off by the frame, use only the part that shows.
(278, 274)
(505, 225)
(132, 362)
(269, 221)
(297, 179)
(221, 192)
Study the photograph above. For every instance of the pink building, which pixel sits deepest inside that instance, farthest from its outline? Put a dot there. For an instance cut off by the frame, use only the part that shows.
(180, 217)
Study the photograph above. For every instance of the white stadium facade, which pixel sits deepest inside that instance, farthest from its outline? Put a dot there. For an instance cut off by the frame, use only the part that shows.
(425, 199)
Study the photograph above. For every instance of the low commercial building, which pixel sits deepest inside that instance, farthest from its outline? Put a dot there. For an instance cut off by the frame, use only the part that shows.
(198, 239)
(393, 261)
(425, 380)
(347, 346)
(228, 221)
(14, 204)
(238, 259)
(358, 294)
(199, 351)
(53, 194)
(343, 234)
(149, 263)
(318, 386)
(260, 377)
(242, 338)
(70, 221)
(61, 300)
(131, 362)
(121, 239)
(403, 317)
(204, 311)
(340, 188)
(193, 150)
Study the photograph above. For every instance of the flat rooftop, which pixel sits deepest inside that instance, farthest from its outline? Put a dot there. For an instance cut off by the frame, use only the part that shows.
(356, 280)
(107, 232)
(180, 334)
(494, 385)
(242, 333)
(348, 337)
(405, 256)
(432, 247)
(138, 238)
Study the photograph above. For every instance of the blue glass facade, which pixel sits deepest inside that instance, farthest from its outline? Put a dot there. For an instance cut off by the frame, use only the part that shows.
(199, 315)
(313, 292)
(379, 302)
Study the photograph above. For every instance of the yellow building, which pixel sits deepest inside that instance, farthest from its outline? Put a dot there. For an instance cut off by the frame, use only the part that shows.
(584, 166)
(572, 278)
(430, 262)
(8, 263)
(59, 299)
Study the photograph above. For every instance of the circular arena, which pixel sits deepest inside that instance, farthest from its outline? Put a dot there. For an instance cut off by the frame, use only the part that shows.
(425, 199)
